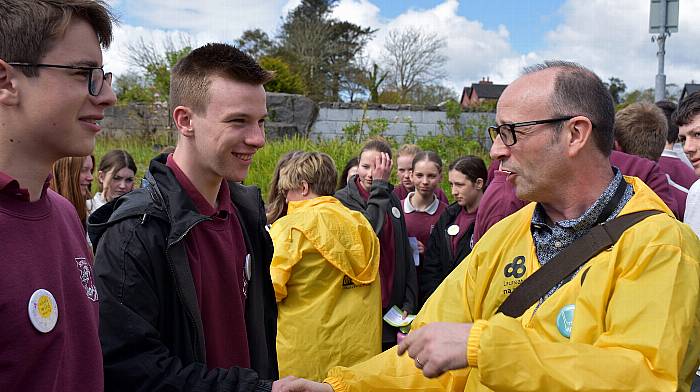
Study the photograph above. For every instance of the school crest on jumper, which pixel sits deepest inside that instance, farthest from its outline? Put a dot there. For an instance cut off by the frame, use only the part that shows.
(85, 270)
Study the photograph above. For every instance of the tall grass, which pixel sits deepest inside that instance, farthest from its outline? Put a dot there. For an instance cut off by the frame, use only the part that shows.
(144, 148)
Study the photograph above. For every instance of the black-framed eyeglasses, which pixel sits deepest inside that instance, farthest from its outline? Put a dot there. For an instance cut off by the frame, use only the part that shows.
(96, 76)
(507, 131)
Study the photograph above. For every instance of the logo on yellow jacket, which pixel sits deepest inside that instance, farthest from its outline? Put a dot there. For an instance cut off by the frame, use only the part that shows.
(349, 284)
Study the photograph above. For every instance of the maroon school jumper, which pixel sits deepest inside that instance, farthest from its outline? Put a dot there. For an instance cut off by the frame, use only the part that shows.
(463, 221)
(43, 246)
(649, 172)
(401, 192)
(680, 173)
(387, 252)
(419, 224)
(216, 254)
(498, 202)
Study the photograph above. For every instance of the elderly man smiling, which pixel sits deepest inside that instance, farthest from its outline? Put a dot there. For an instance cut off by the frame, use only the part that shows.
(625, 320)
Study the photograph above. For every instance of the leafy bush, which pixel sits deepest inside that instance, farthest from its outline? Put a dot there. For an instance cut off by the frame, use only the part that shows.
(144, 148)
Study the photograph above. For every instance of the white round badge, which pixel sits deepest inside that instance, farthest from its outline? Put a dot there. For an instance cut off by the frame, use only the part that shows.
(43, 310)
(395, 211)
(248, 267)
(453, 230)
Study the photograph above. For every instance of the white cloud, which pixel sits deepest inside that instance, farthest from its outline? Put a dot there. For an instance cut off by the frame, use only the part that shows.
(472, 51)
(612, 38)
(608, 36)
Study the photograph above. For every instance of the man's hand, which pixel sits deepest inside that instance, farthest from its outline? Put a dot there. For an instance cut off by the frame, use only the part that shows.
(382, 167)
(421, 247)
(293, 384)
(437, 347)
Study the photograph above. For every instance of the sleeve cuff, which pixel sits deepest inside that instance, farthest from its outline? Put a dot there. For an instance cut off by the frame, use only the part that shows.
(336, 383)
(474, 341)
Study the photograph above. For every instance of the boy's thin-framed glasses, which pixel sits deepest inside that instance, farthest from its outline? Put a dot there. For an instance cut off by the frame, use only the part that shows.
(96, 75)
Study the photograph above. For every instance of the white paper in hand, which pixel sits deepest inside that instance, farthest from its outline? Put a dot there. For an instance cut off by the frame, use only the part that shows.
(393, 317)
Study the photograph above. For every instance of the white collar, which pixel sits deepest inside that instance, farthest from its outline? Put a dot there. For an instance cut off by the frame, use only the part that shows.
(430, 210)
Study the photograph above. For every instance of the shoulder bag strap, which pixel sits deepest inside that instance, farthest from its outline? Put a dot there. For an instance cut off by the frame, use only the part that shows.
(601, 237)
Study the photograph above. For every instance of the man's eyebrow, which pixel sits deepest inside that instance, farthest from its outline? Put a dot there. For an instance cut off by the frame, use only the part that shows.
(85, 63)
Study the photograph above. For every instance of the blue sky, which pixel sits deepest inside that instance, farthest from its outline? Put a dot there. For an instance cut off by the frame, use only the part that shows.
(485, 38)
(527, 20)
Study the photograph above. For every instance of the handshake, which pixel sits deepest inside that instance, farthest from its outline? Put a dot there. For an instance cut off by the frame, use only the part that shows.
(440, 346)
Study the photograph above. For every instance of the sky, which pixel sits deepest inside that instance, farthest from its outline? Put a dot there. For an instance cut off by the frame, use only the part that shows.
(491, 39)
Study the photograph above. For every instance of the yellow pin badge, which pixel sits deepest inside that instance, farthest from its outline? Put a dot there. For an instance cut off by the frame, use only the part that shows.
(43, 310)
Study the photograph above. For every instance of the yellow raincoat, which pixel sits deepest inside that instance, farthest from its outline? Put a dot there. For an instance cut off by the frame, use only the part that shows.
(325, 274)
(635, 317)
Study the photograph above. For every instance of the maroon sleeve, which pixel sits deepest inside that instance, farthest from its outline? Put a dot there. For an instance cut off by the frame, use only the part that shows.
(498, 202)
(647, 171)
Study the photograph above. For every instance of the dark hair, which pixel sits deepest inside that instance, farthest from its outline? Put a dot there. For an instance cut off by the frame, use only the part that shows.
(29, 28)
(191, 76)
(580, 92)
(376, 144)
(471, 166)
(343, 179)
(687, 109)
(115, 160)
(668, 108)
(430, 156)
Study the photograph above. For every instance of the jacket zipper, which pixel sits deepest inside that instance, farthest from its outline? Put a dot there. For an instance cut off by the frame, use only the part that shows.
(177, 287)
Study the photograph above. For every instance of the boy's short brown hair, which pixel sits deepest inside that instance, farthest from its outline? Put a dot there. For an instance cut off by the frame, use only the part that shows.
(191, 76)
(316, 168)
(28, 28)
(641, 129)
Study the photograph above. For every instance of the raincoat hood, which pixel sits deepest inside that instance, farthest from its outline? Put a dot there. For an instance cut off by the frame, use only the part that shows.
(351, 250)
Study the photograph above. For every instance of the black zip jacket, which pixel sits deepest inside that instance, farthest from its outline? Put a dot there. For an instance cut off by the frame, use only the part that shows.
(439, 260)
(150, 323)
(381, 200)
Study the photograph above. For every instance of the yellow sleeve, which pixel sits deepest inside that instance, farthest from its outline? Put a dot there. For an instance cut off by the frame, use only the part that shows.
(287, 243)
(387, 371)
(651, 314)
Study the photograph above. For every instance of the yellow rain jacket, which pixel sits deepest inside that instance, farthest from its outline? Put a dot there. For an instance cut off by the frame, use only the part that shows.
(635, 318)
(325, 274)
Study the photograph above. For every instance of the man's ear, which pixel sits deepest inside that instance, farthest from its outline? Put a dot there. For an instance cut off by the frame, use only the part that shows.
(182, 116)
(304, 188)
(580, 134)
(8, 85)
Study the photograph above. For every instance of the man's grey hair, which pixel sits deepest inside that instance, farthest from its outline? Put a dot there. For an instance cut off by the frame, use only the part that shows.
(580, 92)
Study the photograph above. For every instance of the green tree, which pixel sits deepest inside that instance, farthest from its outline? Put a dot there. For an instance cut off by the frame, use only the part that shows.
(321, 49)
(130, 87)
(256, 43)
(153, 65)
(285, 80)
(617, 88)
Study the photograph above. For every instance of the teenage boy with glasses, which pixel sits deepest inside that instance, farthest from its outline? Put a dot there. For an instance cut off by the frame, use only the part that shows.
(48, 301)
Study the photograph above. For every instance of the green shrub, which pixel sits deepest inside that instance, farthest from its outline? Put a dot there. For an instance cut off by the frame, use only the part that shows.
(145, 148)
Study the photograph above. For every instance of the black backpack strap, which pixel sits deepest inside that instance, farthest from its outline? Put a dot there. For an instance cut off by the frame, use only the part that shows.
(601, 237)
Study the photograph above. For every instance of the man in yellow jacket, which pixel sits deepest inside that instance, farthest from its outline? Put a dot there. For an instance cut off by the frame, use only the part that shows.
(324, 271)
(627, 320)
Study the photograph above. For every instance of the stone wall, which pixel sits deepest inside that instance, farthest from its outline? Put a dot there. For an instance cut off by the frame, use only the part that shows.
(297, 115)
(333, 118)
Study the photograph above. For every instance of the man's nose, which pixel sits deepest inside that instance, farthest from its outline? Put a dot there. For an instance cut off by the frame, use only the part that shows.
(498, 149)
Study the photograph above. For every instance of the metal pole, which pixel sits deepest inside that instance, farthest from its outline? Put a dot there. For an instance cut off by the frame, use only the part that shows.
(660, 88)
